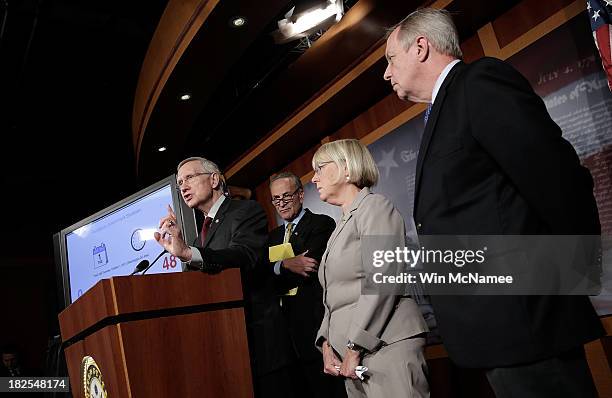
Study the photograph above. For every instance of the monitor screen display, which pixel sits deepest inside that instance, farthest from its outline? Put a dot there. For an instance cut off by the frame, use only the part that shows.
(112, 242)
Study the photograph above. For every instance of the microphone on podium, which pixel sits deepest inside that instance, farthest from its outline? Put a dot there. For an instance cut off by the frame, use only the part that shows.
(154, 261)
(144, 265)
(141, 265)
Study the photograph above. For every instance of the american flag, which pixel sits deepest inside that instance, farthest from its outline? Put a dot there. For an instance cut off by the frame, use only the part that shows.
(599, 11)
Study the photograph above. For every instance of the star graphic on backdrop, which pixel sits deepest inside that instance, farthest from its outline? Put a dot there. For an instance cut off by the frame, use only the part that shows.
(608, 2)
(588, 6)
(596, 15)
(387, 162)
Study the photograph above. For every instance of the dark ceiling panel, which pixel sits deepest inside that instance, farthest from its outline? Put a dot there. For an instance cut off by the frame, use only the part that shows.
(68, 72)
(204, 65)
(363, 92)
(316, 68)
(327, 119)
(244, 86)
(232, 126)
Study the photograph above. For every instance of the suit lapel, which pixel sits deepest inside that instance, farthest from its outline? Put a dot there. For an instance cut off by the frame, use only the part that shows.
(430, 127)
(277, 235)
(345, 218)
(302, 225)
(339, 227)
(217, 221)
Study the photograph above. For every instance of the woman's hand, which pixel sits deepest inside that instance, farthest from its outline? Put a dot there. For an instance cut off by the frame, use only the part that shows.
(351, 361)
(331, 362)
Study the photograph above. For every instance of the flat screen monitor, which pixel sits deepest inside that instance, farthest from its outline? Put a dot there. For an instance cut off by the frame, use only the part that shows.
(113, 241)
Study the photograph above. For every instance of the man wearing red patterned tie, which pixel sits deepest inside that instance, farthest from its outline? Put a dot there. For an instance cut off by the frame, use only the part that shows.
(219, 244)
(233, 235)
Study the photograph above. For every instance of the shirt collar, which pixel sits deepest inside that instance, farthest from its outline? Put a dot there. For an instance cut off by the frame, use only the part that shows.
(296, 220)
(441, 78)
(215, 208)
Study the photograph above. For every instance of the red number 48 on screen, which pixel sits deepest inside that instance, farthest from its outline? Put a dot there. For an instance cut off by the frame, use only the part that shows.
(169, 262)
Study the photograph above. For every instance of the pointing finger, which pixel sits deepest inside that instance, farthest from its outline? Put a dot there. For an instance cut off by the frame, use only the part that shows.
(171, 212)
(163, 221)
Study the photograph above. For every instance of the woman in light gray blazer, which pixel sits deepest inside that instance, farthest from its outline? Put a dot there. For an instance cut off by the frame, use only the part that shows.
(383, 332)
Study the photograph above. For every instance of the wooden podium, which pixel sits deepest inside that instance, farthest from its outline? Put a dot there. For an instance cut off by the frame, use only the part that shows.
(163, 335)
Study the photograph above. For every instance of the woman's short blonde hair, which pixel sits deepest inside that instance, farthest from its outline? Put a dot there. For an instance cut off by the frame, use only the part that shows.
(361, 167)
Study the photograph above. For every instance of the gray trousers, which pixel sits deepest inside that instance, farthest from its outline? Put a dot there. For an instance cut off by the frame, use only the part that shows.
(395, 371)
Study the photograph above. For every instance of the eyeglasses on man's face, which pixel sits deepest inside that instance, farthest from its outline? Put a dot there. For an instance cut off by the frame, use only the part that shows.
(284, 198)
(188, 178)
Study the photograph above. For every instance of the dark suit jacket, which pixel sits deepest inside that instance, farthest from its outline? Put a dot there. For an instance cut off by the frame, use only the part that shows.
(237, 237)
(304, 311)
(493, 162)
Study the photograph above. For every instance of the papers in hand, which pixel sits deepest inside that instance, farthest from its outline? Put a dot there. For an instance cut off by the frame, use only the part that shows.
(280, 252)
(359, 371)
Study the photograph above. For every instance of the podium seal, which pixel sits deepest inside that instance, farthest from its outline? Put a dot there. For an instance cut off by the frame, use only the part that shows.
(91, 379)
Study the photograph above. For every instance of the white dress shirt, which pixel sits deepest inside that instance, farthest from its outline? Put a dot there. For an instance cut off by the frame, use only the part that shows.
(441, 78)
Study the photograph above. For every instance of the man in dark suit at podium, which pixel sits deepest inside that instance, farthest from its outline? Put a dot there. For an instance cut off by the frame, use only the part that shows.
(493, 162)
(297, 283)
(234, 234)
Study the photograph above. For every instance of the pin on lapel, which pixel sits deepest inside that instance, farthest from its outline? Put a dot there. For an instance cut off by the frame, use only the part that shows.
(217, 221)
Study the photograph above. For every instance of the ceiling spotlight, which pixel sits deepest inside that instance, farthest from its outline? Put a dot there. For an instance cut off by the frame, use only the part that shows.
(307, 17)
(185, 97)
(161, 148)
(238, 22)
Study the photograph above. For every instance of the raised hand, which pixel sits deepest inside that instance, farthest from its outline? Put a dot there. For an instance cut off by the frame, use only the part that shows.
(171, 237)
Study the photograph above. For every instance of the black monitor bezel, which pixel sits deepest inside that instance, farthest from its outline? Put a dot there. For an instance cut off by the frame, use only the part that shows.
(185, 220)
